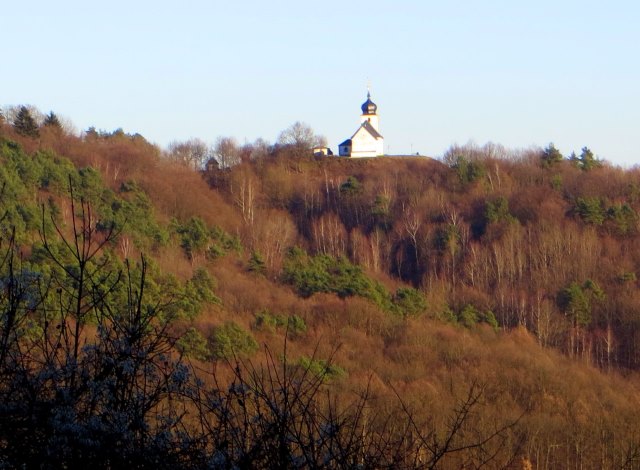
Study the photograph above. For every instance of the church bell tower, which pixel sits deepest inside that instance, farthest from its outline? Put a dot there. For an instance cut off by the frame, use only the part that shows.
(369, 113)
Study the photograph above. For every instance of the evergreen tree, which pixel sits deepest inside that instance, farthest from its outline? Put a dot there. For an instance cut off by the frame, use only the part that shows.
(24, 123)
(551, 156)
(468, 171)
(256, 263)
(575, 161)
(574, 302)
(51, 120)
(588, 161)
(591, 209)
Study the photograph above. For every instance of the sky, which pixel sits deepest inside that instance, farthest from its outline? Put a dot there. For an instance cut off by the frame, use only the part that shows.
(520, 74)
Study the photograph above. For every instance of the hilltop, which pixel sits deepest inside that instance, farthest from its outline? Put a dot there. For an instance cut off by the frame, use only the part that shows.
(489, 297)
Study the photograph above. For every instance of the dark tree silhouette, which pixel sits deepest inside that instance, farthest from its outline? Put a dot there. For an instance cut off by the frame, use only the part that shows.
(87, 364)
(25, 124)
(551, 156)
(52, 120)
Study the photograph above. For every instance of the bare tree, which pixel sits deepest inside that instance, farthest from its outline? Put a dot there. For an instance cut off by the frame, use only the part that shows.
(226, 151)
(300, 135)
(464, 441)
(411, 222)
(283, 415)
(259, 149)
(193, 153)
(243, 186)
(101, 400)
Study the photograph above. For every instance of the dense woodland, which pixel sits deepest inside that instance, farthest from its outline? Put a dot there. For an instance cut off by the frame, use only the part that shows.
(252, 306)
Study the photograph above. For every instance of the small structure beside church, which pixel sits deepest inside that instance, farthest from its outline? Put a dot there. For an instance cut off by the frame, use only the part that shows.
(322, 151)
(367, 140)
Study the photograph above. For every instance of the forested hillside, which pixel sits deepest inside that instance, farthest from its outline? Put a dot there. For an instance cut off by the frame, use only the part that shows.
(257, 307)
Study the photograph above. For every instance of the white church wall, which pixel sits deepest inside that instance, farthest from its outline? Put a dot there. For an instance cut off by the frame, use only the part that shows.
(365, 145)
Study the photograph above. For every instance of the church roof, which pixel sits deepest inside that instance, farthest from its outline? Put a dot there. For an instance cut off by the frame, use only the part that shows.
(369, 107)
(346, 142)
(370, 129)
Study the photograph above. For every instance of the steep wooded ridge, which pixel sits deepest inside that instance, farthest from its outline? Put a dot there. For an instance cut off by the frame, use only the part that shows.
(278, 310)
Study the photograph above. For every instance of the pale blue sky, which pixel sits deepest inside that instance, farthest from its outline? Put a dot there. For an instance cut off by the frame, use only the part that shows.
(514, 73)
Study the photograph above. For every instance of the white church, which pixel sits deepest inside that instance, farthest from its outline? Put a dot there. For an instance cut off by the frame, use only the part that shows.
(367, 140)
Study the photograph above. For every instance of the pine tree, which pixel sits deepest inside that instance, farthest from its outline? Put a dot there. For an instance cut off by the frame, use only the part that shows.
(588, 161)
(51, 120)
(256, 263)
(24, 123)
(551, 156)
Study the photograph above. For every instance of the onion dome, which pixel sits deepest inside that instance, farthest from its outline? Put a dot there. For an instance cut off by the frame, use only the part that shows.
(369, 107)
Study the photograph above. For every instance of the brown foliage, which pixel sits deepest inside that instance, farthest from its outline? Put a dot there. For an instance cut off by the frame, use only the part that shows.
(411, 221)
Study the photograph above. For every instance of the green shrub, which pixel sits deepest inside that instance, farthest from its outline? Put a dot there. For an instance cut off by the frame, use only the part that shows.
(265, 321)
(627, 277)
(230, 340)
(468, 171)
(293, 324)
(351, 186)
(591, 210)
(409, 302)
(193, 344)
(256, 263)
(321, 369)
(623, 218)
(489, 318)
(468, 316)
(296, 325)
(323, 273)
(195, 294)
(194, 236)
(447, 315)
(222, 242)
(575, 303)
(497, 210)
